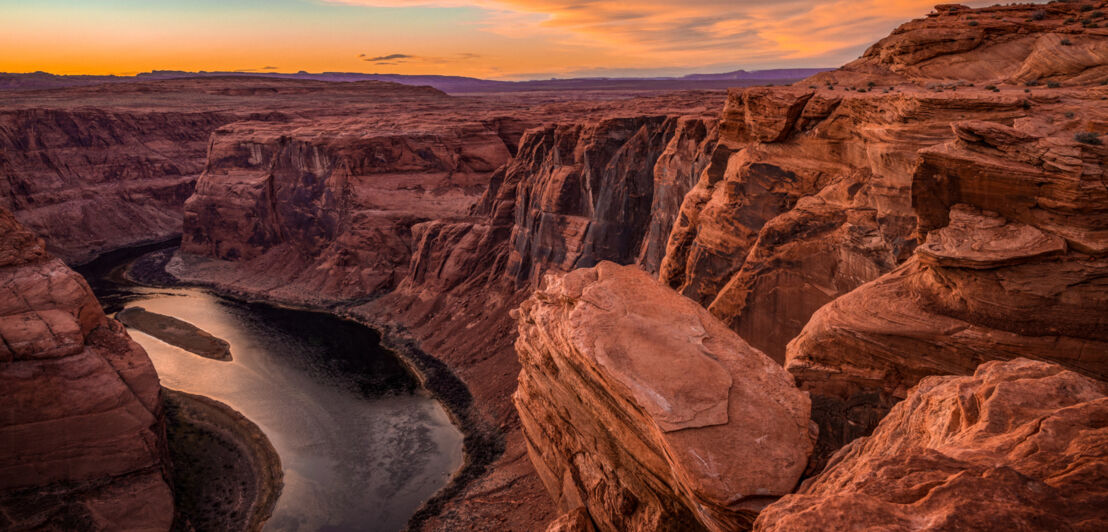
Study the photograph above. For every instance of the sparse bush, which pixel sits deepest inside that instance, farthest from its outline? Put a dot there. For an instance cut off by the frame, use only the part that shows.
(1096, 14)
(1032, 83)
(1069, 115)
(1067, 42)
(1039, 14)
(1086, 8)
(990, 87)
(1053, 84)
(871, 84)
(1088, 138)
(973, 23)
(1071, 20)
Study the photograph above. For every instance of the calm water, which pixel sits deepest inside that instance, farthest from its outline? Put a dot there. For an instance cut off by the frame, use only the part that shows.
(361, 444)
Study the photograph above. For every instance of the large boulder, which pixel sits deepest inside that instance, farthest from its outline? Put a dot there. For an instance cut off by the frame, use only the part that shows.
(1019, 445)
(640, 406)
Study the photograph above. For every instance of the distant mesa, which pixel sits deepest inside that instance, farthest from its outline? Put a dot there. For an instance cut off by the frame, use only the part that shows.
(176, 332)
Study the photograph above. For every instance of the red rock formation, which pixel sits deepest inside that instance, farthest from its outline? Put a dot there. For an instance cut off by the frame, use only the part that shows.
(92, 180)
(1013, 265)
(1020, 445)
(82, 432)
(640, 406)
(763, 261)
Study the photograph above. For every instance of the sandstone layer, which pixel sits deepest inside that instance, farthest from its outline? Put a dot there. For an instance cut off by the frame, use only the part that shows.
(640, 406)
(82, 436)
(1019, 445)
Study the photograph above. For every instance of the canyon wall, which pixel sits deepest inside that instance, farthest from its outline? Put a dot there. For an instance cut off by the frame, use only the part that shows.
(93, 180)
(82, 434)
(286, 202)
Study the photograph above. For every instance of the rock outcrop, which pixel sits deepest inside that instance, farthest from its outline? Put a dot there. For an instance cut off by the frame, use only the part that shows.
(1019, 445)
(82, 435)
(1014, 217)
(640, 406)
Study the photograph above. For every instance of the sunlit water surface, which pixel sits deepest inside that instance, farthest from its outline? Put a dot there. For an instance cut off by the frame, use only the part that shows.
(362, 446)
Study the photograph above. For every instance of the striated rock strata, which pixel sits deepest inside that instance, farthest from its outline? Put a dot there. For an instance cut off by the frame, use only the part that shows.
(82, 435)
(92, 180)
(1014, 217)
(1019, 445)
(640, 406)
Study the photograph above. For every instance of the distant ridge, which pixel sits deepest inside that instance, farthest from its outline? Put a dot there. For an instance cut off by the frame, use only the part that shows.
(450, 84)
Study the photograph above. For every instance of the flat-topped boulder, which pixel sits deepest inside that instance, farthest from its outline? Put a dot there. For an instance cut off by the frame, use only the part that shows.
(643, 408)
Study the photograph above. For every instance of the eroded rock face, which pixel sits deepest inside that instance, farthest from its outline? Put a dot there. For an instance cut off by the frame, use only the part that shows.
(640, 406)
(1013, 264)
(607, 190)
(92, 180)
(748, 248)
(82, 438)
(1019, 445)
(292, 200)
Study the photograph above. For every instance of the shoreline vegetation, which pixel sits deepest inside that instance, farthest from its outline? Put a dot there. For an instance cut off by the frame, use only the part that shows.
(482, 444)
(226, 475)
(176, 332)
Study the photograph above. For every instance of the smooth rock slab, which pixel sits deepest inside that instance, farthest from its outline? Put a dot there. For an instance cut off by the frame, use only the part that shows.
(642, 407)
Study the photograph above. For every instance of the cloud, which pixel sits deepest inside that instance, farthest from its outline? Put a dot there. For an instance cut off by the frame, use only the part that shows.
(742, 32)
(390, 57)
(397, 59)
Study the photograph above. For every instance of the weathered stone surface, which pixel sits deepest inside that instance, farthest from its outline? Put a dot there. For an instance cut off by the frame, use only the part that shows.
(82, 432)
(1019, 445)
(639, 405)
(1014, 220)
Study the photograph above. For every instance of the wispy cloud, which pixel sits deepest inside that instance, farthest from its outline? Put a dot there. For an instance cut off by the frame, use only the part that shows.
(390, 57)
(398, 59)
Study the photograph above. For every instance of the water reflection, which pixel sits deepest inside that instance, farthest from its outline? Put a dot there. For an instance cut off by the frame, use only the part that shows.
(361, 445)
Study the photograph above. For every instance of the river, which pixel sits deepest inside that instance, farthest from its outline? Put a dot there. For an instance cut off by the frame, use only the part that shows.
(361, 444)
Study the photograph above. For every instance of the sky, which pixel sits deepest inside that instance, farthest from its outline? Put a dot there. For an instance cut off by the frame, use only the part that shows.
(495, 39)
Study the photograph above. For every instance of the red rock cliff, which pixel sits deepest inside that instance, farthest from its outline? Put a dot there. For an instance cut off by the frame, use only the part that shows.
(82, 436)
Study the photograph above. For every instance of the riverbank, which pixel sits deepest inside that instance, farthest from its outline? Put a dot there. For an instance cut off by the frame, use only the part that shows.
(226, 474)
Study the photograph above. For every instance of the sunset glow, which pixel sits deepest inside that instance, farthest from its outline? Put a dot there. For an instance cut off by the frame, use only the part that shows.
(509, 39)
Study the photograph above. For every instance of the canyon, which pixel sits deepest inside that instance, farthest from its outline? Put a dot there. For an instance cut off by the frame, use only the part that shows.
(772, 307)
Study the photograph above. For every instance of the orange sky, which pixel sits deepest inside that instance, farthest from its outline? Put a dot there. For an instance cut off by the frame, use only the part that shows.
(510, 39)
